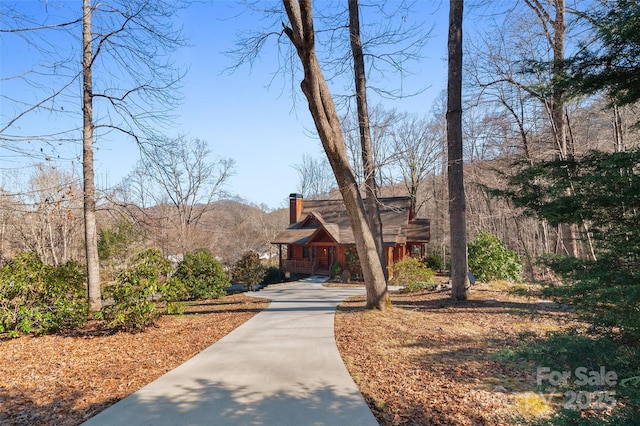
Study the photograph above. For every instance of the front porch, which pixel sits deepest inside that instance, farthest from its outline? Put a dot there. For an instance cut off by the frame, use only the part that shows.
(311, 267)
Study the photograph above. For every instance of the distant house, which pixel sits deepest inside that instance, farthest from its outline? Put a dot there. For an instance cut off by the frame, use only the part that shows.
(319, 234)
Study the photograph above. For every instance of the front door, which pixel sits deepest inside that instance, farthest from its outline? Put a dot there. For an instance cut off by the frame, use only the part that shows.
(323, 253)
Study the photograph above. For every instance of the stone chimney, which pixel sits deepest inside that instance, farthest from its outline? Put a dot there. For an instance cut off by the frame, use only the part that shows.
(295, 208)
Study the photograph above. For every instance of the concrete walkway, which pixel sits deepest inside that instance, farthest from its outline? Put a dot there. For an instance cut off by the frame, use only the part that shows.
(281, 367)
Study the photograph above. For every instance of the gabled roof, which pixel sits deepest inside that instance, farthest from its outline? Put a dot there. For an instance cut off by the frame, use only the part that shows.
(330, 229)
(329, 217)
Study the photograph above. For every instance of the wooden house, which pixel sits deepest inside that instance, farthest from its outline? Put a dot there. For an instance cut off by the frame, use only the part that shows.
(320, 235)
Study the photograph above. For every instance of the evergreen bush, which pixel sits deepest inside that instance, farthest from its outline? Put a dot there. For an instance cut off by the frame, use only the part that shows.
(38, 299)
(273, 275)
(336, 269)
(434, 262)
(135, 291)
(352, 263)
(175, 290)
(199, 276)
(117, 246)
(413, 274)
(249, 270)
(489, 259)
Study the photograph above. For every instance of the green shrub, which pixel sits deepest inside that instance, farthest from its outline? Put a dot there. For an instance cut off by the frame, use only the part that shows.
(199, 276)
(176, 308)
(38, 298)
(249, 270)
(117, 246)
(433, 262)
(336, 269)
(413, 274)
(490, 260)
(175, 290)
(272, 276)
(604, 292)
(134, 306)
(419, 286)
(352, 263)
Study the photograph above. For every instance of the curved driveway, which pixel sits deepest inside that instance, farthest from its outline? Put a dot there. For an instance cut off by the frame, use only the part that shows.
(281, 367)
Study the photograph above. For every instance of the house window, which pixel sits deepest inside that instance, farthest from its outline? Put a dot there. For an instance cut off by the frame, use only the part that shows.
(305, 252)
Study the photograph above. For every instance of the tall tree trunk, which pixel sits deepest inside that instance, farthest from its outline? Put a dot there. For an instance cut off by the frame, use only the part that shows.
(371, 193)
(455, 166)
(325, 117)
(557, 104)
(618, 133)
(557, 111)
(91, 234)
(558, 97)
(52, 242)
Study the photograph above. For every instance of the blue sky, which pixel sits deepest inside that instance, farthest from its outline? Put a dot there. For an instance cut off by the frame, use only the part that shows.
(250, 116)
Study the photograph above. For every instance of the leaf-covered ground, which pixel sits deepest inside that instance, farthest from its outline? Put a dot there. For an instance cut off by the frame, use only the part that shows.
(426, 361)
(431, 361)
(64, 379)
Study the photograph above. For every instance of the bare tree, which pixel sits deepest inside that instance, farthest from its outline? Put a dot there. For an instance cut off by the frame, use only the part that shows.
(189, 179)
(510, 73)
(417, 145)
(383, 123)
(50, 207)
(90, 229)
(554, 26)
(135, 37)
(315, 176)
(301, 33)
(455, 166)
(271, 222)
(366, 150)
